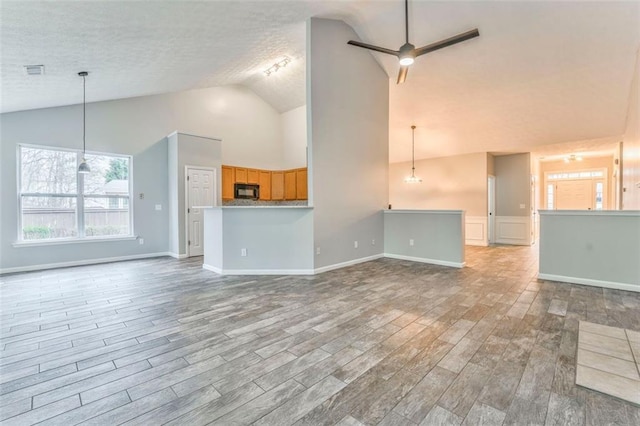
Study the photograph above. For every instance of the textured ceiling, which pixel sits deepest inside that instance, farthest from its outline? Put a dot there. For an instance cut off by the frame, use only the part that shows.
(540, 73)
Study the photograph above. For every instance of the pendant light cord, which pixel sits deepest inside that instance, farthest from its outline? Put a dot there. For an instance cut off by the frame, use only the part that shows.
(84, 115)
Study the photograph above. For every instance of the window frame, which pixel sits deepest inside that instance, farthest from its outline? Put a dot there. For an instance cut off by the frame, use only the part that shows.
(79, 196)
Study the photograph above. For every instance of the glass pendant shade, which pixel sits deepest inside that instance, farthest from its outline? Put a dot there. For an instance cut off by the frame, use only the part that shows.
(412, 179)
(84, 167)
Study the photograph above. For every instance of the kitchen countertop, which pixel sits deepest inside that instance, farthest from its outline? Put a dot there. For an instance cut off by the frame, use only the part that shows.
(252, 207)
(424, 211)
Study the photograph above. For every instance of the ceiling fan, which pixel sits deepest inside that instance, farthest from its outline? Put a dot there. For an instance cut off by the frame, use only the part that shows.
(408, 52)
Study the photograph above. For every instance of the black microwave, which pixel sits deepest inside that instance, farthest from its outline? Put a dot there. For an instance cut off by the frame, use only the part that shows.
(246, 191)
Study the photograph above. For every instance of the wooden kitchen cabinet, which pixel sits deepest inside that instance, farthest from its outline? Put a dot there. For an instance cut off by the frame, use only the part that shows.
(301, 184)
(264, 180)
(290, 185)
(228, 179)
(274, 185)
(253, 176)
(241, 175)
(277, 185)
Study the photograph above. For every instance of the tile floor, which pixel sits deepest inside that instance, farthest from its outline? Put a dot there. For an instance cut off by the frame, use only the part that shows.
(388, 342)
(609, 360)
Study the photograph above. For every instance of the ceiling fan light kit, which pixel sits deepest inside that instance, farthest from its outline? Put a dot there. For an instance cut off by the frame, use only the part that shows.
(408, 52)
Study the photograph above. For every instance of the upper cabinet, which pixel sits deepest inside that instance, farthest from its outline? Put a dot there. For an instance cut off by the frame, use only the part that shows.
(301, 184)
(241, 175)
(253, 176)
(274, 184)
(228, 179)
(277, 185)
(290, 185)
(264, 181)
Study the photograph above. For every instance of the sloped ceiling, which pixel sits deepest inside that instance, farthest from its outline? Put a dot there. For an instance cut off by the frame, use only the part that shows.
(541, 73)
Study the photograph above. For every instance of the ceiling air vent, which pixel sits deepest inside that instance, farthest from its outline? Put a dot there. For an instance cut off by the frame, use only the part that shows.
(34, 69)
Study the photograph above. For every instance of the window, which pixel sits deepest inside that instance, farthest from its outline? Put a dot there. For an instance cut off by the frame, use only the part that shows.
(599, 195)
(550, 196)
(56, 202)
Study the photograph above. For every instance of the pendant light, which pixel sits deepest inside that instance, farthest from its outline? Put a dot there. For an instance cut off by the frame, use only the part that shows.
(413, 178)
(84, 167)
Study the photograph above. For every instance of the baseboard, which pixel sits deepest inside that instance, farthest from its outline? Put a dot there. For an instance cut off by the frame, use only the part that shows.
(257, 271)
(212, 268)
(347, 263)
(475, 243)
(426, 260)
(590, 282)
(44, 266)
(177, 256)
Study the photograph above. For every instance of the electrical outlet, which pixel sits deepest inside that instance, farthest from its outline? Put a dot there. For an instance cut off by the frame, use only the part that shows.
(522, 206)
(317, 250)
(141, 196)
(158, 206)
(373, 242)
(411, 242)
(355, 244)
(141, 241)
(243, 252)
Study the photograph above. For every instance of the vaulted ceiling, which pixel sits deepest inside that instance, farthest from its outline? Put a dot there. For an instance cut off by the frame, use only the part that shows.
(540, 73)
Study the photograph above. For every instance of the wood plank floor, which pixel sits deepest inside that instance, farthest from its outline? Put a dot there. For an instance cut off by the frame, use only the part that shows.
(387, 342)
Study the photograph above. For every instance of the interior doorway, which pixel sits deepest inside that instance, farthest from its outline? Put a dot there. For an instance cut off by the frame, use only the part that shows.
(200, 192)
(491, 203)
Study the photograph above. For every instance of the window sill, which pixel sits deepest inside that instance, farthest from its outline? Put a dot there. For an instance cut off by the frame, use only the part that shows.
(36, 243)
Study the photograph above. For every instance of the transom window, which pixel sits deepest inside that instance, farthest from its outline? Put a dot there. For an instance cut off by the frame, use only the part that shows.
(56, 202)
(575, 175)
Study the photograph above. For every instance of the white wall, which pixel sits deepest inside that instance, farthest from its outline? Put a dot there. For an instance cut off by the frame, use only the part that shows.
(458, 182)
(294, 138)
(348, 102)
(598, 248)
(250, 128)
(631, 147)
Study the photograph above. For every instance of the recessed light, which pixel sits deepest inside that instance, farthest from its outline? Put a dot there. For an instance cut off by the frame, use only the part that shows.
(34, 69)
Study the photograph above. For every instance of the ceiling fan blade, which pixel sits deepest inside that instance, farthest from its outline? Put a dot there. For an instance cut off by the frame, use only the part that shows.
(447, 42)
(402, 74)
(372, 47)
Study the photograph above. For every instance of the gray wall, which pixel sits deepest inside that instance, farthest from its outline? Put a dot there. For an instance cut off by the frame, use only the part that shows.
(438, 236)
(250, 128)
(188, 150)
(595, 247)
(513, 184)
(277, 239)
(348, 106)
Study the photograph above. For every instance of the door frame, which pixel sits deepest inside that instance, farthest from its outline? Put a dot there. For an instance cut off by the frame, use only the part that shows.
(491, 208)
(188, 167)
(547, 181)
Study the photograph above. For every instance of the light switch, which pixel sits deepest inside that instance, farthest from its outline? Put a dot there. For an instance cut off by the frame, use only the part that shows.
(158, 206)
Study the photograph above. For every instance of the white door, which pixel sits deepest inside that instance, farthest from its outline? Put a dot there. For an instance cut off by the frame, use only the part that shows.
(574, 194)
(492, 208)
(200, 192)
